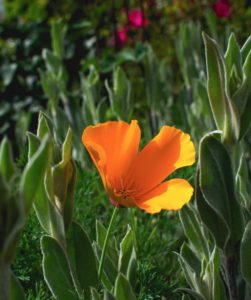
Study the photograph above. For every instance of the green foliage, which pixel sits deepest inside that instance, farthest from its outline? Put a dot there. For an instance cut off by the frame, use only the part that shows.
(244, 254)
(228, 87)
(27, 264)
(17, 193)
(157, 83)
(83, 265)
(211, 267)
(225, 113)
(120, 95)
(123, 289)
(220, 195)
(16, 290)
(54, 258)
(7, 166)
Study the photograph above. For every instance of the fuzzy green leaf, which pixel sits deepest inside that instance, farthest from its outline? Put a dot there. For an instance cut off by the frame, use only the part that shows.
(110, 269)
(100, 234)
(43, 126)
(94, 294)
(126, 249)
(190, 258)
(216, 225)
(245, 50)
(7, 165)
(53, 63)
(16, 290)
(120, 95)
(226, 115)
(245, 251)
(193, 230)
(194, 295)
(217, 184)
(123, 289)
(243, 98)
(82, 258)
(216, 81)
(56, 270)
(34, 174)
(34, 143)
(108, 296)
(233, 58)
(58, 31)
(243, 183)
(64, 179)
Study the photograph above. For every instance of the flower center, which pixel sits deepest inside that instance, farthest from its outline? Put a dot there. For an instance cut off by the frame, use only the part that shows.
(121, 194)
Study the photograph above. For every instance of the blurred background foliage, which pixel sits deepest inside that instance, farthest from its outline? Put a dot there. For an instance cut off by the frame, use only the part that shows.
(104, 34)
(85, 62)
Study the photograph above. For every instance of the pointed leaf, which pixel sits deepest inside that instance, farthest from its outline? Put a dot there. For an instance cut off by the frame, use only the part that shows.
(100, 234)
(245, 251)
(215, 81)
(53, 63)
(34, 174)
(233, 57)
(7, 165)
(245, 50)
(131, 274)
(56, 270)
(218, 288)
(95, 295)
(243, 97)
(58, 31)
(214, 222)
(108, 296)
(126, 248)
(82, 258)
(194, 295)
(190, 257)
(193, 230)
(217, 183)
(34, 143)
(110, 270)
(16, 290)
(123, 289)
(43, 127)
(64, 179)
(225, 113)
(120, 94)
(243, 183)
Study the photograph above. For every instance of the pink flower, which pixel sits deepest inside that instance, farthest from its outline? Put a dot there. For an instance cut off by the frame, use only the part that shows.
(222, 8)
(122, 35)
(136, 18)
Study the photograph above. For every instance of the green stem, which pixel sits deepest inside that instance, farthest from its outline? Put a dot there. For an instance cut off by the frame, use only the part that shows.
(133, 225)
(4, 280)
(106, 242)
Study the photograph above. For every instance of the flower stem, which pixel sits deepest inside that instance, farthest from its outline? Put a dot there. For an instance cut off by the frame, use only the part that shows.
(4, 280)
(133, 225)
(101, 263)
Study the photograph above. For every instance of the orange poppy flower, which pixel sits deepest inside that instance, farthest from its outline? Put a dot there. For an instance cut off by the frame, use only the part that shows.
(133, 178)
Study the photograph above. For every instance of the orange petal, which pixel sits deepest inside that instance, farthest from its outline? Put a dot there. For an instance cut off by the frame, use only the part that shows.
(99, 158)
(170, 195)
(113, 147)
(166, 152)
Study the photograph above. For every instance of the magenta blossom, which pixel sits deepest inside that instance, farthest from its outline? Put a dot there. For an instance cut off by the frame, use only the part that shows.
(136, 18)
(222, 8)
(122, 35)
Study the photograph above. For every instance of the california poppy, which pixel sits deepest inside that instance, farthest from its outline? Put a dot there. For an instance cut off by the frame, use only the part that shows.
(133, 178)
